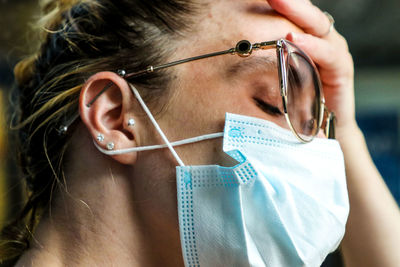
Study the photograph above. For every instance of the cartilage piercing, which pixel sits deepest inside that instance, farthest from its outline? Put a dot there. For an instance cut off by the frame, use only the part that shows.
(121, 73)
(131, 122)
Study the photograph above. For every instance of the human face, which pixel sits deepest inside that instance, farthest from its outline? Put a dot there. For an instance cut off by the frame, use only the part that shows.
(205, 90)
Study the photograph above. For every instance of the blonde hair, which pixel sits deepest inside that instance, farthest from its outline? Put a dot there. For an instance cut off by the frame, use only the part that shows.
(77, 39)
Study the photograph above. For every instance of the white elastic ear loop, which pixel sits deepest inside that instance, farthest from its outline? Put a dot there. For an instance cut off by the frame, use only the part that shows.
(139, 98)
(153, 147)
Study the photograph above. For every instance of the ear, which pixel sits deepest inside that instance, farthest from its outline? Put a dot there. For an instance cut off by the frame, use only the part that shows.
(108, 114)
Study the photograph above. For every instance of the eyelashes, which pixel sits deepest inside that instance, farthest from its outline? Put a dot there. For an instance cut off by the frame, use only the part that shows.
(267, 107)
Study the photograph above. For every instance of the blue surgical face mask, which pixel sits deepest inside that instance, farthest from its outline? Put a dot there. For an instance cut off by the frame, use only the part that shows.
(284, 204)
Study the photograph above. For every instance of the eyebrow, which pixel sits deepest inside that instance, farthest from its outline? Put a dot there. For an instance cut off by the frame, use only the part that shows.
(251, 63)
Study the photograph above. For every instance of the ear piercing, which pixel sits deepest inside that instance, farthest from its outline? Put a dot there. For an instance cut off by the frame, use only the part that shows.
(62, 130)
(110, 146)
(121, 73)
(131, 122)
(100, 137)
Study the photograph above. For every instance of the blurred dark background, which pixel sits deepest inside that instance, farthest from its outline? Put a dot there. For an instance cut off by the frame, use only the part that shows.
(370, 27)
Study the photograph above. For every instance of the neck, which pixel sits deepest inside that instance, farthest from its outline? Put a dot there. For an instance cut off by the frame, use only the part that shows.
(110, 215)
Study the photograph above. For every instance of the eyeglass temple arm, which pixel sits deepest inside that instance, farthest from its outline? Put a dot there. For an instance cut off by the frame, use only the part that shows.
(122, 73)
(174, 63)
(266, 45)
(151, 69)
(330, 125)
(233, 51)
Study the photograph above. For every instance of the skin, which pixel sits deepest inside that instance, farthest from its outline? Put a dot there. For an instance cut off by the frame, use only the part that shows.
(122, 211)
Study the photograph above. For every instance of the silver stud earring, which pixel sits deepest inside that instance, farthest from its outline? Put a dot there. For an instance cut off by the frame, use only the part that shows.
(100, 138)
(131, 122)
(110, 146)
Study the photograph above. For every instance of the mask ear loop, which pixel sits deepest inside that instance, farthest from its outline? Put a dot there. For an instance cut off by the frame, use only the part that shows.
(153, 147)
(139, 98)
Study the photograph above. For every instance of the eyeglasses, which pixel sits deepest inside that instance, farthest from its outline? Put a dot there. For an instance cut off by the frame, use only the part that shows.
(303, 103)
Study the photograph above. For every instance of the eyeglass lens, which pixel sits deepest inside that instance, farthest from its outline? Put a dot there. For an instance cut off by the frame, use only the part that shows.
(303, 95)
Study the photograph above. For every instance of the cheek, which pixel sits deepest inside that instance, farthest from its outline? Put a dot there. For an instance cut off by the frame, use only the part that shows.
(192, 107)
(201, 99)
(210, 91)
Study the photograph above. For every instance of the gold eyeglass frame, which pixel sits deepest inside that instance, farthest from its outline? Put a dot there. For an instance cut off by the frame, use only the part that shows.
(244, 49)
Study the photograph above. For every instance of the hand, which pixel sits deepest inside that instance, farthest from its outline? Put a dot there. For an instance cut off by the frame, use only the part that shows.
(329, 51)
(372, 233)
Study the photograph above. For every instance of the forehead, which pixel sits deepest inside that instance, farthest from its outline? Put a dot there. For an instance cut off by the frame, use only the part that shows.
(225, 22)
(222, 24)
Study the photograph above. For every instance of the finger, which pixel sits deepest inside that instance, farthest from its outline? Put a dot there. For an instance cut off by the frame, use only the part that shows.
(336, 71)
(304, 14)
(330, 55)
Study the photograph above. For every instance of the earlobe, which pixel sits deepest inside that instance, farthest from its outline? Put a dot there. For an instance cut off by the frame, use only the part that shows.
(107, 114)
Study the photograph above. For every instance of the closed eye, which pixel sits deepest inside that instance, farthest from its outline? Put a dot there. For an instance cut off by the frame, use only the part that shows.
(268, 108)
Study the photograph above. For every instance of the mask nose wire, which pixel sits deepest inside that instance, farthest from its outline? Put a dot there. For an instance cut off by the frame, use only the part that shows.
(144, 106)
